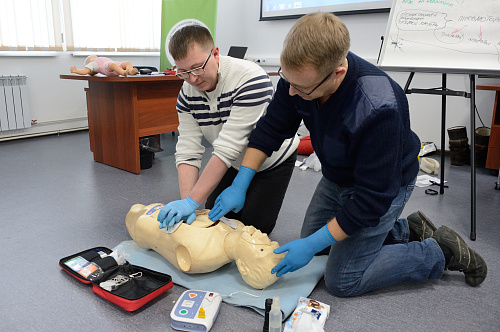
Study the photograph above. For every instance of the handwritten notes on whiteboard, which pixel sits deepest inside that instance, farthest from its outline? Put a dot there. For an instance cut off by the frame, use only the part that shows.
(461, 36)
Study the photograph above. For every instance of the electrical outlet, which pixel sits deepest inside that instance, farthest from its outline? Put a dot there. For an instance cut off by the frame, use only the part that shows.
(259, 60)
(265, 61)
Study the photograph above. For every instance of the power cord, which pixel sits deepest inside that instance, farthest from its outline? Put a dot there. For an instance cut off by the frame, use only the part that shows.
(477, 112)
(230, 295)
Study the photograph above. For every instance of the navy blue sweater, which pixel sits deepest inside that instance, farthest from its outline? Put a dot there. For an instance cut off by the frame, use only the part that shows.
(361, 135)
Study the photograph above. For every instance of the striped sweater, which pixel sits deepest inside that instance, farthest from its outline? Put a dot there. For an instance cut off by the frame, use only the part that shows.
(226, 116)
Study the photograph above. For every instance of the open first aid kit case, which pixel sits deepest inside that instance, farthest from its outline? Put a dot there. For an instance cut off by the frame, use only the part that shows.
(126, 285)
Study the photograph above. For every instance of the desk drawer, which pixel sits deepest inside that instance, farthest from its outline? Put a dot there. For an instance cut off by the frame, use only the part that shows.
(156, 111)
(494, 137)
(493, 159)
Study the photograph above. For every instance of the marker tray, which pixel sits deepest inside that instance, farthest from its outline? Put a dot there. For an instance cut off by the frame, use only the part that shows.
(94, 266)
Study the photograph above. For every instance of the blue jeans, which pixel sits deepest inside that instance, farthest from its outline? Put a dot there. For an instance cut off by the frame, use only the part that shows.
(373, 257)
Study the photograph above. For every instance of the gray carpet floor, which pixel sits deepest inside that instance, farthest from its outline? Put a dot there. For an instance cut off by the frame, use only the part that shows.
(56, 201)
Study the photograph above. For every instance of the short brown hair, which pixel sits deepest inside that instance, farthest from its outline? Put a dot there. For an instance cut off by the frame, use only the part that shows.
(185, 37)
(319, 39)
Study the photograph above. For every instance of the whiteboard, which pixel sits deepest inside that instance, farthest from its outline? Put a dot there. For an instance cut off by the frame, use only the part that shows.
(445, 36)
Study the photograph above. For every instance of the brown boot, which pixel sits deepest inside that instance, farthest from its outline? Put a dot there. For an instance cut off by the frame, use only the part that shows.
(459, 147)
(482, 138)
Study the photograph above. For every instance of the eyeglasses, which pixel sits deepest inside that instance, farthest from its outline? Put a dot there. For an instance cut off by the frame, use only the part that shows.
(196, 71)
(299, 90)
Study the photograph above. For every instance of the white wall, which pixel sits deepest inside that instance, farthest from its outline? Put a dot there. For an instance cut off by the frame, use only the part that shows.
(238, 24)
(53, 99)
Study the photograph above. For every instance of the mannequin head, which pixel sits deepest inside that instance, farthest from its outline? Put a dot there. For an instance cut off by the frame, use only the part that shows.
(89, 59)
(255, 257)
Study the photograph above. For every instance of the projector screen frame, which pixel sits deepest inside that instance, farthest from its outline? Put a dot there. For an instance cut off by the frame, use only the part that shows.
(368, 10)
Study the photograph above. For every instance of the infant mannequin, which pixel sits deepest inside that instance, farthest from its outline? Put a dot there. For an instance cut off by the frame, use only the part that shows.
(105, 66)
(204, 246)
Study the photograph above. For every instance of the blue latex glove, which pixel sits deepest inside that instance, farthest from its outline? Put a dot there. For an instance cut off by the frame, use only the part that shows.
(233, 197)
(176, 211)
(301, 251)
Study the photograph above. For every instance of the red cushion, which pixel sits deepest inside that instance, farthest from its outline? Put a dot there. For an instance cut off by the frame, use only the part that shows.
(305, 146)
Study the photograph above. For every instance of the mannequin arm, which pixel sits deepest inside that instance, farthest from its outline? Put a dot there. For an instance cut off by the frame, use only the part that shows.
(117, 69)
(80, 71)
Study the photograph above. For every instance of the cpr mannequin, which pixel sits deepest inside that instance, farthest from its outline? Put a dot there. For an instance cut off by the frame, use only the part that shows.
(205, 246)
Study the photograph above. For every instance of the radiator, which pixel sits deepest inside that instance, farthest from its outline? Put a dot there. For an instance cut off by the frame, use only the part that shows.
(14, 106)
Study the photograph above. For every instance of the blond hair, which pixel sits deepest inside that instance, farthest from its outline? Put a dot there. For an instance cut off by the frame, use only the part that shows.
(186, 37)
(319, 39)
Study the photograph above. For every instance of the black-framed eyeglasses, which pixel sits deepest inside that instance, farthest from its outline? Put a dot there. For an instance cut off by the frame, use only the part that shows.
(195, 71)
(299, 90)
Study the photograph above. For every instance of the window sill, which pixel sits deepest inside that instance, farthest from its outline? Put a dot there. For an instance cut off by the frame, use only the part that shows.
(75, 54)
(30, 53)
(85, 54)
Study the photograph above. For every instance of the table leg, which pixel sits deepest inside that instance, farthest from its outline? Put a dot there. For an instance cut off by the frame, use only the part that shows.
(443, 132)
(473, 156)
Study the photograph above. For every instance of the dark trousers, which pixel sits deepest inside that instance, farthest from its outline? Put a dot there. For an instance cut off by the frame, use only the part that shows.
(264, 195)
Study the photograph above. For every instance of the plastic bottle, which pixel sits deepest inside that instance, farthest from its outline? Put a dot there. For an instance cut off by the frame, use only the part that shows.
(275, 316)
(269, 303)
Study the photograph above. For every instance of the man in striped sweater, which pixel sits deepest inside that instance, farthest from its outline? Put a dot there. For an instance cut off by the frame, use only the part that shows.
(222, 99)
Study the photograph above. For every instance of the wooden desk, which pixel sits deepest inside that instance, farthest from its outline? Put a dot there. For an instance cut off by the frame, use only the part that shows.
(493, 159)
(123, 109)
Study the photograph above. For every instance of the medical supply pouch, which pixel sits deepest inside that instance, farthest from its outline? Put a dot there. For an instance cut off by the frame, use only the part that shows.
(309, 315)
(126, 285)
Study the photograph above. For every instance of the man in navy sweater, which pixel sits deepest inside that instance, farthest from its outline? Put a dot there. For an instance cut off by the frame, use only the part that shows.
(359, 122)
